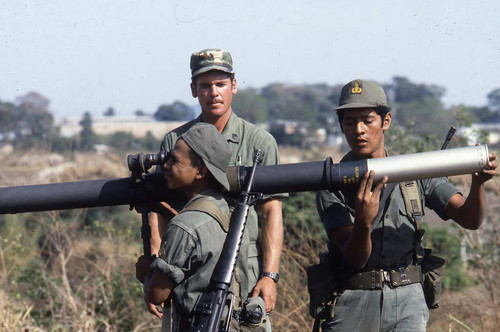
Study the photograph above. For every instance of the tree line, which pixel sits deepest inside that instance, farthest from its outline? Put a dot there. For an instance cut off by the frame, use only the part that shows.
(28, 122)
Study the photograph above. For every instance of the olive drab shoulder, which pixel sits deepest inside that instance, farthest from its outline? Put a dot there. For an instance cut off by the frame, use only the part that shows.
(209, 207)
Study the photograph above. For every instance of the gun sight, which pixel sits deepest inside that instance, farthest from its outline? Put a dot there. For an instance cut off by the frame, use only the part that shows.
(142, 162)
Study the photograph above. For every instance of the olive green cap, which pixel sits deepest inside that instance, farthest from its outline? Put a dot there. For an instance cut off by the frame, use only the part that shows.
(206, 141)
(211, 59)
(362, 94)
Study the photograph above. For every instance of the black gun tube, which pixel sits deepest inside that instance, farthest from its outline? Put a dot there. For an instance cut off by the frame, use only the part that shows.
(308, 176)
(83, 194)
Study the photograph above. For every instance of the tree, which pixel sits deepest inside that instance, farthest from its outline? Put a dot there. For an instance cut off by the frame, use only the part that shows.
(251, 106)
(9, 118)
(178, 111)
(305, 103)
(404, 91)
(427, 116)
(494, 100)
(27, 123)
(110, 112)
(87, 136)
(480, 114)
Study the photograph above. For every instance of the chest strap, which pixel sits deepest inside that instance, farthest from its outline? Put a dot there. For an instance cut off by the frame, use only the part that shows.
(414, 209)
(209, 207)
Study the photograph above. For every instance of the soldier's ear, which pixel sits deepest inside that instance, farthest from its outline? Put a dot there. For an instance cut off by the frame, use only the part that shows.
(201, 172)
(386, 122)
(234, 86)
(194, 91)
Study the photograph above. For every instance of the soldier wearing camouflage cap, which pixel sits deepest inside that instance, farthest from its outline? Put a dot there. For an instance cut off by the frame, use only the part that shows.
(213, 83)
(374, 230)
(211, 59)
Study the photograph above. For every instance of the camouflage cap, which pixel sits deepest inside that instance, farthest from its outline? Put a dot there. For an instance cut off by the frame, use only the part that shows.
(206, 141)
(362, 94)
(211, 59)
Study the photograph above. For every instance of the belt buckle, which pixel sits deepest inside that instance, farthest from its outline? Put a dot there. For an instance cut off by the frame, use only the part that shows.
(385, 276)
(404, 277)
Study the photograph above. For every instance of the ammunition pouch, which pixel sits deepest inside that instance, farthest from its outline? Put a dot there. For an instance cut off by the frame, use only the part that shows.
(322, 287)
(432, 284)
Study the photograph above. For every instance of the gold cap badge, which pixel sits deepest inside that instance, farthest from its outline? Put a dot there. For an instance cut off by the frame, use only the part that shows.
(356, 89)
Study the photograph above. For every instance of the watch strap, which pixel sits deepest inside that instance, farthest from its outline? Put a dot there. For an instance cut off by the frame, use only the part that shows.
(273, 275)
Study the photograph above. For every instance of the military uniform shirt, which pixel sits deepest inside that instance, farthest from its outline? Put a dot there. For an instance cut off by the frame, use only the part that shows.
(392, 231)
(190, 250)
(244, 138)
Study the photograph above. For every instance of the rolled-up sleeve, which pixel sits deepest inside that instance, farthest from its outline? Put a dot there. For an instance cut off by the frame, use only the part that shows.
(438, 192)
(177, 253)
(332, 211)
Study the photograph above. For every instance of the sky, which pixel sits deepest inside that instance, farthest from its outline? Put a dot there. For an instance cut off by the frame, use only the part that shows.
(134, 55)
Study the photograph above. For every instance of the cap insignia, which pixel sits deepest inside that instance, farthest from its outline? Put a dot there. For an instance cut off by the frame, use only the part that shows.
(206, 55)
(356, 89)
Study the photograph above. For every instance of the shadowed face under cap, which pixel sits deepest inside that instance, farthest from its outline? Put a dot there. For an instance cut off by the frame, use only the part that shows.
(212, 147)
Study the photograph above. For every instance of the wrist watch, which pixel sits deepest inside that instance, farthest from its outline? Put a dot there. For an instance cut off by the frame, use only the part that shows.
(272, 275)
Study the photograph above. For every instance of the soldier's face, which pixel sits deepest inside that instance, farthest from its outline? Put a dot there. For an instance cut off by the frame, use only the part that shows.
(179, 172)
(364, 131)
(214, 90)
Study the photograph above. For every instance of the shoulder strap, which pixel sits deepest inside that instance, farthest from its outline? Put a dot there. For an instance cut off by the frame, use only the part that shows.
(209, 207)
(413, 203)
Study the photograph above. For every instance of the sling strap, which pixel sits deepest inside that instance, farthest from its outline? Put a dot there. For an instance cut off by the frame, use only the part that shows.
(413, 203)
(209, 207)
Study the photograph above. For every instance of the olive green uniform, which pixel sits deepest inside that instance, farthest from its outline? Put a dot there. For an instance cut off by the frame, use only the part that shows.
(189, 252)
(244, 138)
(393, 246)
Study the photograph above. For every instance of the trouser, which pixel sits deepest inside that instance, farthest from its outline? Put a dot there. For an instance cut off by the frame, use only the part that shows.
(400, 309)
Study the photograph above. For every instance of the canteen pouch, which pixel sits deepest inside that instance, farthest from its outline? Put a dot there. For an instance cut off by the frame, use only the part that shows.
(432, 278)
(322, 287)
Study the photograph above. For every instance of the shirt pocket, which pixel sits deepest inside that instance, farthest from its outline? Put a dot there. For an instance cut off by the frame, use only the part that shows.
(404, 224)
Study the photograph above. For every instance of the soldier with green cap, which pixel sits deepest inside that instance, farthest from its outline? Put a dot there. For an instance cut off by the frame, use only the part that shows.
(194, 238)
(374, 236)
(213, 83)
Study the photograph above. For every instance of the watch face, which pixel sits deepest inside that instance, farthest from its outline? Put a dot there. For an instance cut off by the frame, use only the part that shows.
(274, 276)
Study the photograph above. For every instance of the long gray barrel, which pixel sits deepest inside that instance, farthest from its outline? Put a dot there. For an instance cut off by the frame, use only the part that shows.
(431, 164)
(309, 176)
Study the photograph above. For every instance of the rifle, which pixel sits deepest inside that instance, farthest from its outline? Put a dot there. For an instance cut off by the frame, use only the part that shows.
(209, 308)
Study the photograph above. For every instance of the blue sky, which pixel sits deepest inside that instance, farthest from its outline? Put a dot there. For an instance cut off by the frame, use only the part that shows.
(89, 55)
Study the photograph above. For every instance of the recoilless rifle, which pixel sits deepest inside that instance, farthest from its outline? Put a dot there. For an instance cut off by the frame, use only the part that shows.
(307, 176)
